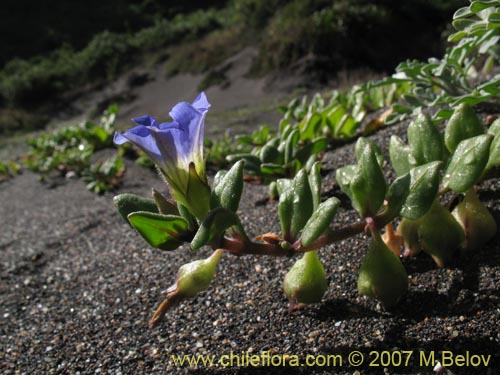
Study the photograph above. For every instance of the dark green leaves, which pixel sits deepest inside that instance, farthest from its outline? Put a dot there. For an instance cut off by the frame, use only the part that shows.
(367, 185)
(128, 203)
(399, 154)
(165, 232)
(494, 159)
(463, 124)
(295, 206)
(423, 189)
(397, 195)
(425, 140)
(467, 163)
(227, 191)
(319, 221)
(214, 225)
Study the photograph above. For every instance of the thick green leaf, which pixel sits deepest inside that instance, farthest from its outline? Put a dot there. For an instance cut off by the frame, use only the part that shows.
(400, 155)
(424, 186)
(425, 141)
(467, 163)
(463, 124)
(228, 191)
(285, 211)
(128, 203)
(319, 221)
(368, 186)
(291, 143)
(166, 232)
(252, 162)
(344, 176)
(494, 158)
(302, 203)
(360, 146)
(272, 169)
(309, 126)
(270, 154)
(312, 148)
(397, 194)
(477, 6)
(462, 12)
(214, 225)
(315, 183)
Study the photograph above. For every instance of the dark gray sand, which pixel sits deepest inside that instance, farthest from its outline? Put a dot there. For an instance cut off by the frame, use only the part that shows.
(78, 286)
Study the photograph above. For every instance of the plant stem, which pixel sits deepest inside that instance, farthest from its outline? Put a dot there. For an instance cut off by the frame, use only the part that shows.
(239, 248)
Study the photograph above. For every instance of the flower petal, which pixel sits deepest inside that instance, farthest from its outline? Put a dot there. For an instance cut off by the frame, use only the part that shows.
(141, 137)
(175, 159)
(201, 102)
(146, 121)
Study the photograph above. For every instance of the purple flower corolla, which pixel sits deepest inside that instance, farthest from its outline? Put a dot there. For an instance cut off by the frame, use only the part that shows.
(177, 149)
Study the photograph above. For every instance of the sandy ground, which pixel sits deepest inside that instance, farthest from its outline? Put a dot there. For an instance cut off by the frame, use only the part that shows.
(78, 286)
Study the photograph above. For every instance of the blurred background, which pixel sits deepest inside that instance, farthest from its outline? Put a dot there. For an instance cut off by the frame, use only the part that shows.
(63, 60)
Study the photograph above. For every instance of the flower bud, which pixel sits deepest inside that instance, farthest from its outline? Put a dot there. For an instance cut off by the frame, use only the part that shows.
(382, 275)
(306, 281)
(192, 278)
(477, 222)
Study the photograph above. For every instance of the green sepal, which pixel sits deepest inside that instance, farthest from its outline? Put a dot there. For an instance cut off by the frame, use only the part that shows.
(424, 186)
(467, 163)
(186, 215)
(368, 186)
(302, 203)
(165, 206)
(198, 194)
(360, 146)
(400, 155)
(165, 232)
(128, 203)
(425, 141)
(319, 221)
(397, 195)
(214, 225)
(463, 124)
(315, 183)
(227, 193)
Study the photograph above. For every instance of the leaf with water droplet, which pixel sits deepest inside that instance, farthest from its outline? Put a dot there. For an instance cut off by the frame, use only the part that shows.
(424, 186)
(467, 163)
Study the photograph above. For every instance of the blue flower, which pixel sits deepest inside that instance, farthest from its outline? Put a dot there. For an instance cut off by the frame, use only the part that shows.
(177, 149)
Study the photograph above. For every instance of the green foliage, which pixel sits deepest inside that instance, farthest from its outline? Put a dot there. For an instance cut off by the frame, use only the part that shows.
(450, 81)
(9, 169)
(104, 176)
(69, 151)
(34, 80)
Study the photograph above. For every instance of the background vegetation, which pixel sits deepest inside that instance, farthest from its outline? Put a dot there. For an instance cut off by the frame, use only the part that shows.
(63, 46)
